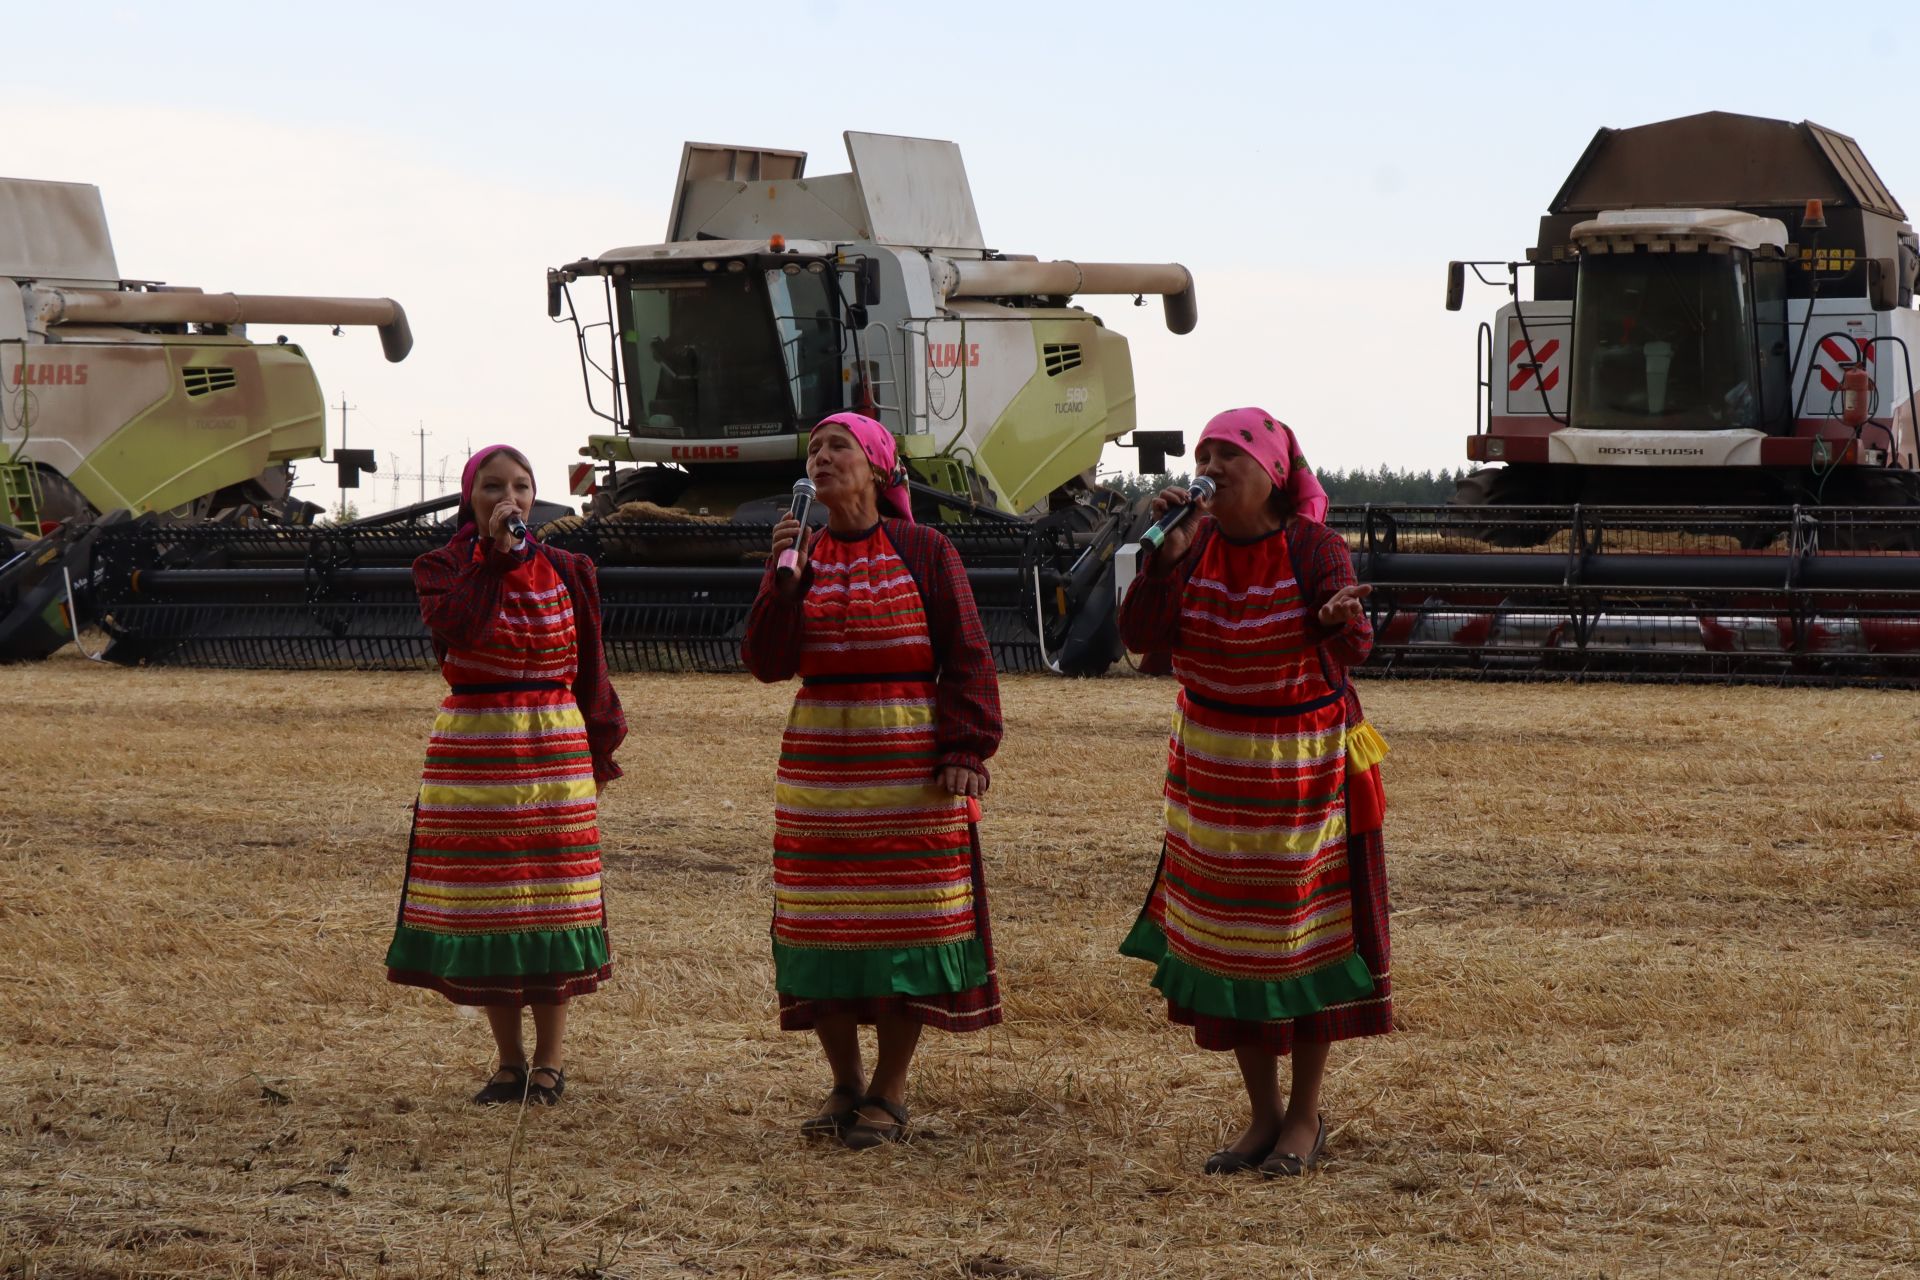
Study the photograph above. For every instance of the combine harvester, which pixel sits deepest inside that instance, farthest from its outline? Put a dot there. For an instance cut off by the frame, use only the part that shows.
(128, 405)
(1701, 425)
(777, 299)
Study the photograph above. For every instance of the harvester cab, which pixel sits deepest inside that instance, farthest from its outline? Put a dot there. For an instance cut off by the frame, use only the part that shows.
(779, 298)
(1701, 289)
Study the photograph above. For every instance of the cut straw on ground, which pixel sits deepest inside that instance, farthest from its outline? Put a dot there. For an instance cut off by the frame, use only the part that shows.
(1654, 954)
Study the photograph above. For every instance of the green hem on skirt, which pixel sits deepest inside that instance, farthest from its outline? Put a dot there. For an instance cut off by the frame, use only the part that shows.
(1246, 999)
(827, 973)
(498, 955)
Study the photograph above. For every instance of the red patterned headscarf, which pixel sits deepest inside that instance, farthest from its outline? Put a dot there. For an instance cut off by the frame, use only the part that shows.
(471, 472)
(877, 443)
(1272, 444)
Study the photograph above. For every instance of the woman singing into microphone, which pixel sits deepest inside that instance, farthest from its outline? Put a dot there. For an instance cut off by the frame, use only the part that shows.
(502, 903)
(1267, 918)
(880, 909)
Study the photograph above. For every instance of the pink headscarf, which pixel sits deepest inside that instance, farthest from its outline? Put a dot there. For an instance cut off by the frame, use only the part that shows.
(877, 443)
(472, 471)
(1272, 444)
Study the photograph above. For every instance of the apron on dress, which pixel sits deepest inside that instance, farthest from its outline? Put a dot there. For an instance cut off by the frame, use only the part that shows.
(1250, 916)
(502, 902)
(879, 901)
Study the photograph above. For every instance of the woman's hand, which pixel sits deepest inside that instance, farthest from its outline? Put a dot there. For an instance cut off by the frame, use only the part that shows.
(1176, 543)
(958, 780)
(789, 533)
(1344, 607)
(497, 524)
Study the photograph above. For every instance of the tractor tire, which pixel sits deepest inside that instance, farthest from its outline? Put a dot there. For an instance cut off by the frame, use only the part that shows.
(662, 486)
(1876, 488)
(1093, 640)
(1502, 487)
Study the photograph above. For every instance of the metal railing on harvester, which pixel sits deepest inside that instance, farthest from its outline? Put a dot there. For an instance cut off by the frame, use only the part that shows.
(1791, 594)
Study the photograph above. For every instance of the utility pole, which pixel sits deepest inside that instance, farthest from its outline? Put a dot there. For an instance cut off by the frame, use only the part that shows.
(343, 407)
(422, 433)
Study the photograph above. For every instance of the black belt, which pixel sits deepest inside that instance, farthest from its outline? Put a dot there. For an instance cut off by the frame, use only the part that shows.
(1266, 709)
(860, 677)
(512, 686)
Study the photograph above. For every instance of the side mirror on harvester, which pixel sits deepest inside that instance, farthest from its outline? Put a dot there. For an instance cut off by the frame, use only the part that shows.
(554, 286)
(1883, 285)
(1456, 284)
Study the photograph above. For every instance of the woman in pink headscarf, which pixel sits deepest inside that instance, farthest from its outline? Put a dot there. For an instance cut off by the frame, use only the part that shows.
(502, 905)
(879, 901)
(1267, 917)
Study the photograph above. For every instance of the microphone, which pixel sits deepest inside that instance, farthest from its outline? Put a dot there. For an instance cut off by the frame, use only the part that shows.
(789, 561)
(1201, 489)
(517, 527)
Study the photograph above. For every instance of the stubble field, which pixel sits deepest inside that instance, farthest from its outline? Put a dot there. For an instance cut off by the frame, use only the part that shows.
(1654, 952)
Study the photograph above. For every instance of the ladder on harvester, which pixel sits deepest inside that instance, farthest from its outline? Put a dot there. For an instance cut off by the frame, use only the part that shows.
(20, 500)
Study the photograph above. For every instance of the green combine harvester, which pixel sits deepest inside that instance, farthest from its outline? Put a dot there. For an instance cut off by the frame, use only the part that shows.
(130, 403)
(777, 299)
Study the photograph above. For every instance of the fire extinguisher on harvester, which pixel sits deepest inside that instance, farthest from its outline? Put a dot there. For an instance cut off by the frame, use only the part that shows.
(1856, 395)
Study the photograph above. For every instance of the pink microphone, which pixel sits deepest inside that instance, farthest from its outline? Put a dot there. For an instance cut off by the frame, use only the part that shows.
(789, 561)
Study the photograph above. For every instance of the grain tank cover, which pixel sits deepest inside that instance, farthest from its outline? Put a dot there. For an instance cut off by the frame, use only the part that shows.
(909, 192)
(1746, 164)
(1719, 160)
(56, 233)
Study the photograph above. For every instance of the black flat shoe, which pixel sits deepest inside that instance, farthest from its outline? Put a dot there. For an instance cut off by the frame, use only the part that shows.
(1231, 1161)
(832, 1120)
(861, 1133)
(1284, 1164)
(546, 1095)
(495, 1092)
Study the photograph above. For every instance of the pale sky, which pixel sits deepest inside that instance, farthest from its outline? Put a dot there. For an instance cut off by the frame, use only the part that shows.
(1315, 166)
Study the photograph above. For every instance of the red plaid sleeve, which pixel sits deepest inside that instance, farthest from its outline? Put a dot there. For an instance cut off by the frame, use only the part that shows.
(459, 587)
(771, 647)
(1320, 558)
(1149, 618)
(967, 719)
(593, 690)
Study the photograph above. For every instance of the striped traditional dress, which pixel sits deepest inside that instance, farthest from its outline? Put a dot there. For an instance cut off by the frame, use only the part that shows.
(502, 900)
(1251, 919)
(879, 898)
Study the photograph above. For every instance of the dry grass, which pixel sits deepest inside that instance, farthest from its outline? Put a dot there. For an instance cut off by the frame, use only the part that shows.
(1655, 957)
(1561, 540)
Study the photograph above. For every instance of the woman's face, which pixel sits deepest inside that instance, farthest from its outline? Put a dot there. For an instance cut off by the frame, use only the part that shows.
(838, 467)
(501, 479)
(1244, 485)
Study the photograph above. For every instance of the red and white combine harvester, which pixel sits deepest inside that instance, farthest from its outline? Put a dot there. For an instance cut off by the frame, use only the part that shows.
(1697, 432)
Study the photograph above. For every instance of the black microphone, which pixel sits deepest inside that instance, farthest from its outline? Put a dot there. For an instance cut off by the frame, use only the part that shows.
(803, 491)
(1201, 489)
(517, 527)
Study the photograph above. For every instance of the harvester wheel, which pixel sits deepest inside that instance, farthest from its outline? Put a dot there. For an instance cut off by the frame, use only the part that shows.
(1502, 487)
(662, 486)
(1888, 488)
